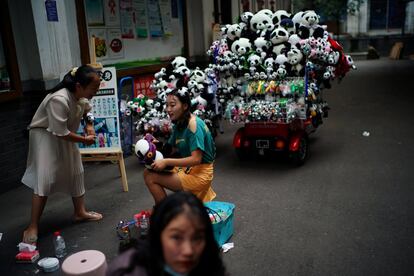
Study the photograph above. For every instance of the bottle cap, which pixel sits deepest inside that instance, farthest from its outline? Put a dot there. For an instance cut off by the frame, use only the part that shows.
(57, 233)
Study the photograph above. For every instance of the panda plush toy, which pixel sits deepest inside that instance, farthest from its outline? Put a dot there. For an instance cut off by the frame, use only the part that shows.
(261, 46)
(146, 151)
(279, 38)
(309, 25)
(295, 58)
(261, 24)
(278, 16)
(241, 46)
(179, 61)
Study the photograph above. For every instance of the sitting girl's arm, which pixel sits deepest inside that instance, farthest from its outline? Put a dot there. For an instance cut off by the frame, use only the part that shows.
(194, 159)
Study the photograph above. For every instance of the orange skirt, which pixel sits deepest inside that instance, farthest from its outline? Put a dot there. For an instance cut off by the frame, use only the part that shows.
(197, 180)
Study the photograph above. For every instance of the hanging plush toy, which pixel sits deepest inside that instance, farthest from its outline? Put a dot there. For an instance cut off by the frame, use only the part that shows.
(146, 150)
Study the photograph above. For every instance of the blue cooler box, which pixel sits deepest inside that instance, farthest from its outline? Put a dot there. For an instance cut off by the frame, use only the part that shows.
(223, 229)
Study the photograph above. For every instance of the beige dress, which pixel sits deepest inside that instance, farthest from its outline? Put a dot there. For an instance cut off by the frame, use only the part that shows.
(54, 164)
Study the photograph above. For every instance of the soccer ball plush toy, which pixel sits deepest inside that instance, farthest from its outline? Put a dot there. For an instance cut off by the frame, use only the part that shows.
(146, 150)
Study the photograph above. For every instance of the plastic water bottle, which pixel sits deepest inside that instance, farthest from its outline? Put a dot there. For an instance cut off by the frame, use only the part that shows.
(60, 246)
(144, 225)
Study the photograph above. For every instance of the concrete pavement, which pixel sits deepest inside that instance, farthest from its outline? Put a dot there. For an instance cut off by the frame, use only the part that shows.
(348, 211)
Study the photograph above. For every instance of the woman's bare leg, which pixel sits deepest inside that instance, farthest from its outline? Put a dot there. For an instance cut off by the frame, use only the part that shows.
(80, 210)
(158, 182)
(38, 205)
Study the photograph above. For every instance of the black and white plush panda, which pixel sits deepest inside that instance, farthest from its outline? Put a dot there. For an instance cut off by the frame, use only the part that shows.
(309, 25)
(241, 46)
(269, 64)
(233, 32)
(261, 23)
(198, 75)
(179, 76)
(278, 16)
(279, 38)
(262, 46)
(179, 61)
(246, 17)
(295, 58)
(282, 66)
(254, 61)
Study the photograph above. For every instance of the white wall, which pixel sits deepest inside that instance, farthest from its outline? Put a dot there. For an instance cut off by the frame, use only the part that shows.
(358, 23)
(57, 42)
(196, 32)
(409, 18)
(208, 21)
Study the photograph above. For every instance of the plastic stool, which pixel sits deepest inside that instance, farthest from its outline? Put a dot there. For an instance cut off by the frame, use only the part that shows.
(85, 263)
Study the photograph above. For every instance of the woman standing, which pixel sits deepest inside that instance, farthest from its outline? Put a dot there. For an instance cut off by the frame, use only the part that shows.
(54, 162)
(192, 140)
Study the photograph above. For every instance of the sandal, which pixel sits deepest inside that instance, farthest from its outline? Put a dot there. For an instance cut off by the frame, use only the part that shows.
(32, 239)
(93, 216)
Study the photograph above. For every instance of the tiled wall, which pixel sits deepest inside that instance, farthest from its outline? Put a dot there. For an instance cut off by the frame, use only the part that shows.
(14, 118)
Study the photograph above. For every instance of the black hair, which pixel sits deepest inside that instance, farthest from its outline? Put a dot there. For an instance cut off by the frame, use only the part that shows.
(149, 253)
(184, 98)
(82, 75)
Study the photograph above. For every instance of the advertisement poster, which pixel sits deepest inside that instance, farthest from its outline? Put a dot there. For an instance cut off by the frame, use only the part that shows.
(115, 45)
(165, 10)
(94, 13)
(140, 17)
(105, 111)
(154, 18)
(127, 22)
(101, 43)
(111, 8)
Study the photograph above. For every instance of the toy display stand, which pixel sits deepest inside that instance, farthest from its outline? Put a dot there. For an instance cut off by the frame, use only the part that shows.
(126, 121)
(107, 154)
(282, 135)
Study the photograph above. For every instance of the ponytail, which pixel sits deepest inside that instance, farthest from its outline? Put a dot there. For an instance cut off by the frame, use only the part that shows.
(82, 75)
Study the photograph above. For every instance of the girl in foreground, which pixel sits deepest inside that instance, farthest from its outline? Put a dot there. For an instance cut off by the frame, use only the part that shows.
(180, 242)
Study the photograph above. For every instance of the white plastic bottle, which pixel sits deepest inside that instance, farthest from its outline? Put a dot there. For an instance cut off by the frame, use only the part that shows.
(59, 243)
(144, 225)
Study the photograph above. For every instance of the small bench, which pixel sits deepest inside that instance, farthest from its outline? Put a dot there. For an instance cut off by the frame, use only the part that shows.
(107, 154)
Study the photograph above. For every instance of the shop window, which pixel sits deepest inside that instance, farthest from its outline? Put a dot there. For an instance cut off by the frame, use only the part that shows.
(386, 14)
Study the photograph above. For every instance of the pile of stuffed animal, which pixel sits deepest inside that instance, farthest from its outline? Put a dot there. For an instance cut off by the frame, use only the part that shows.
(273, 65)
(270, 66)
(150, 115)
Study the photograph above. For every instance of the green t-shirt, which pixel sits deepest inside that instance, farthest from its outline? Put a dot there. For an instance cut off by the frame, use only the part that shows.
(186, 141)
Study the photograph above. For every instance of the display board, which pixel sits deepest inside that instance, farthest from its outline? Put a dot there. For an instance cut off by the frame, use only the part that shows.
(134, 30)
(106, 113)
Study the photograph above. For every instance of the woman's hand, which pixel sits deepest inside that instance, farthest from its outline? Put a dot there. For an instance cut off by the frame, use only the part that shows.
(159, 165)
(89, 140)
(90, 130)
